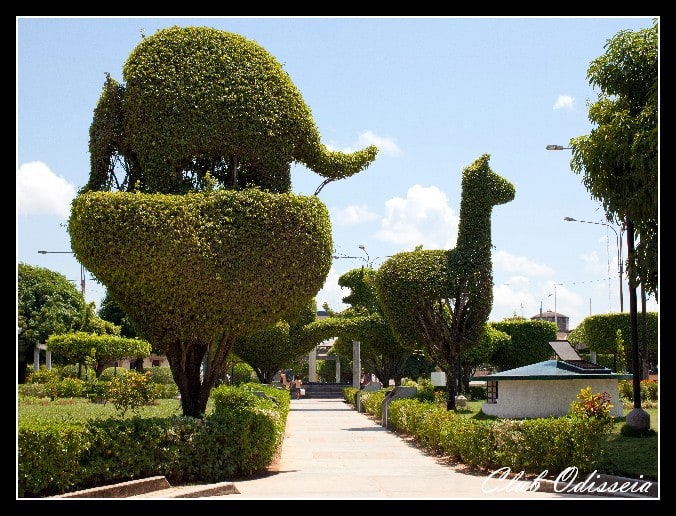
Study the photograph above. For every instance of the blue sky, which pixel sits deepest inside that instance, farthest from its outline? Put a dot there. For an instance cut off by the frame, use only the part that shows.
(433, 94)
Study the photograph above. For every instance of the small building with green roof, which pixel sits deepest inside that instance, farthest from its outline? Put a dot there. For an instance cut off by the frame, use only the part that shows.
(548, 388)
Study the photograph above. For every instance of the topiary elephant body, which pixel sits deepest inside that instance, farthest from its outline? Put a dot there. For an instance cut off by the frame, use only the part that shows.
(200, 100)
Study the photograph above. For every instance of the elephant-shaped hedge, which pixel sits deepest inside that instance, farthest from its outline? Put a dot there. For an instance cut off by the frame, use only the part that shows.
(200, 100)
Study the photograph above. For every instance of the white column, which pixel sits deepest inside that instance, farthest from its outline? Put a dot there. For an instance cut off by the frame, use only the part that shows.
(312, 365)
(337, 369)
(356, 364)
(36, 358)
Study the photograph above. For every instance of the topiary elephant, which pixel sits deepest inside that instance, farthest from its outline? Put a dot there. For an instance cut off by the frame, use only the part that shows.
(199, 100)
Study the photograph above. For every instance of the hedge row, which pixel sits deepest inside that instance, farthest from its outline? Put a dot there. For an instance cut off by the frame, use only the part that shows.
(240, 438)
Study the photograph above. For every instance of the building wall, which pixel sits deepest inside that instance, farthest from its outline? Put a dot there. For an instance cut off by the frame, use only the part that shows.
(544, 398)
(148, 362)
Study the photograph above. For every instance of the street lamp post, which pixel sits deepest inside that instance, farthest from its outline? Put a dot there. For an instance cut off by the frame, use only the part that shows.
(369, 262)
(618, 242)
(82, 271)
(556, 314)
(541, 300)
(637, 418)
(368, 259)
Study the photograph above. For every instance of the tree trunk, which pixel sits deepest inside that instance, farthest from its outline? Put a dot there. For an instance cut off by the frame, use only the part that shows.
(185, 360)
(187, 378)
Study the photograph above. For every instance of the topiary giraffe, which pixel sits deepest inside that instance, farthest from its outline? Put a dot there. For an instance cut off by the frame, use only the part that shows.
(442, 298)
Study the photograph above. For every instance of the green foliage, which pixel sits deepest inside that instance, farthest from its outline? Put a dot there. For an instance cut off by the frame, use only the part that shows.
(42, 375)
(79, 346)
(49, 456)
(592, 405)
(372, 402)
(266, 350)
(131, 391)
(632, 431)
(47, 303)
(71, 388)
(203, 110)
(380, 351)
(96, 390)
(619, 159)
(272, 349)
(530, 445)
(59, 454)
(210, 275)
(599, 333)
(226, 398)
(222, 238)
(161, 375)
(442, 299)
(492, 343)
(425, 390)
(620, 352)
(95, 324)
(111, 311)
(418, 365)
(528, 343)
(649, 390)
(477, 392)
(111, 372)
(199, 100)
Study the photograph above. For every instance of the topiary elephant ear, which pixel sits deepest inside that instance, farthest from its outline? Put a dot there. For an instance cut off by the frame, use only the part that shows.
(200, 100)
(196, 267)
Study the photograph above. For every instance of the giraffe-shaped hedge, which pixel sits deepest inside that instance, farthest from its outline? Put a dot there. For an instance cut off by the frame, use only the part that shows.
(442, 298)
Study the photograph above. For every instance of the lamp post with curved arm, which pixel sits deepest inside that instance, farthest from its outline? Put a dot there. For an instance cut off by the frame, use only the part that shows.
(82, 270)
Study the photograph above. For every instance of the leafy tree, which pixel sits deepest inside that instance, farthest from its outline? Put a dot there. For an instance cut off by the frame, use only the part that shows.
(47, 303)
(380, 352)
(111, 311)
(618, 160)
(212, 116)
(484, 353)
(418, 365)
(528, 343)
(599, 334)
(78, 347)
(441, 299)
(214, 273)
(271, 349)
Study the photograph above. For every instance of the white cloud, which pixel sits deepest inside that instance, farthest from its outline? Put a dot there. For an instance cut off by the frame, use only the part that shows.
(39, 191)
(386, 146)
(564, 102)
(519, 264)
(351, 215)
(592, 263)
(422, 218)
(332, 293)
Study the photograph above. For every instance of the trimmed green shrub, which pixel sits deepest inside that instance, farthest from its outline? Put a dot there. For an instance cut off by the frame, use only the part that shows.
(131, 391)
(240, 439)
(50, 454)
(112, 372)
(42, 375)
(161, 375)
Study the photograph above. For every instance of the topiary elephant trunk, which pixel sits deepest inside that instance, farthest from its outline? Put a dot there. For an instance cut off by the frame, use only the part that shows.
(200, 100)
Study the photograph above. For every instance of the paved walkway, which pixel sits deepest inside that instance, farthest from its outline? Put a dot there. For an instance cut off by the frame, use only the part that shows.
(331, 451)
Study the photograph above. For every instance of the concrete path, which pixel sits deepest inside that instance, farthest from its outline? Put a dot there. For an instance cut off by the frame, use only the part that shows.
(331, 451)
